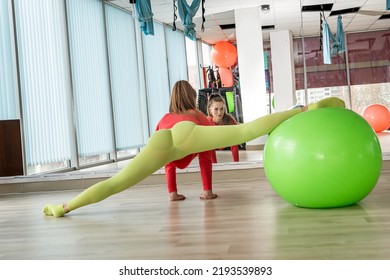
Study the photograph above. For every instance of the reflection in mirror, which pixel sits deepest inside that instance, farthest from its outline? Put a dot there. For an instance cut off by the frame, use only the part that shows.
(360, 75)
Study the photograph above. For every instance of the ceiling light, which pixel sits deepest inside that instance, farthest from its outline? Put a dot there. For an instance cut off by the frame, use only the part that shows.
(265, 8)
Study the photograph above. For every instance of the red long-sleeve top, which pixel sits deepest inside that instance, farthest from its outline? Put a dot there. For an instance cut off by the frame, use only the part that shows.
(234, 149)
(205, 161)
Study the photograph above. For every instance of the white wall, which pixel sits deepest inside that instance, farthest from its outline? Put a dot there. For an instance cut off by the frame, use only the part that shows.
(251, 66)
(283, 71)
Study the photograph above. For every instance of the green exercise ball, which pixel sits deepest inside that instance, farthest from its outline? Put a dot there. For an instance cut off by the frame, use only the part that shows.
(325, 158)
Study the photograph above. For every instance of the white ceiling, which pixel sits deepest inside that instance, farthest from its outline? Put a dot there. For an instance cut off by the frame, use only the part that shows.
(284, 15)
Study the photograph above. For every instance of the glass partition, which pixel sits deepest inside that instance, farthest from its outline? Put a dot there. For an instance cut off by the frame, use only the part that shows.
(369, 66)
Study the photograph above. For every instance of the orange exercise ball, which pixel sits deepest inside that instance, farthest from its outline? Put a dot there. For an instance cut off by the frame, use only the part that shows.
(226, 77)
(378, 116)
(224, 54)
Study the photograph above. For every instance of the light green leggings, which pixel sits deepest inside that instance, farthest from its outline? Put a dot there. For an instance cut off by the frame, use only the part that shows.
(184, 138)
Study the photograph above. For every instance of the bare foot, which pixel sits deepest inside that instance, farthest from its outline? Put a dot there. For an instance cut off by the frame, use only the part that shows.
(208, 195)
(173, 196)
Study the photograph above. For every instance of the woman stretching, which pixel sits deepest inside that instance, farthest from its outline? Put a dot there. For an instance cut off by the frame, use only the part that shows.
(183, 108)
(185, 138)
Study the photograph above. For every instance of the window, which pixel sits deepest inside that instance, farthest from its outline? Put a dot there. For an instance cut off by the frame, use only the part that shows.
(90, 77)
(7, 76)
(124, 81)
(176, 51)
(369, 63)
(44, 78)
(156, 70)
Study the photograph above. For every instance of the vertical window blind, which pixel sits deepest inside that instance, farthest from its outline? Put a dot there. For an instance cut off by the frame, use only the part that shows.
(91, 86)
(156, 72)
(7, 78)
(124, 79)
(176, 50)
(43, 57)
(65, 66)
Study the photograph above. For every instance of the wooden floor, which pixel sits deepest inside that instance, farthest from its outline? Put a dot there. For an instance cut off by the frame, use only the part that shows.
(247, 221)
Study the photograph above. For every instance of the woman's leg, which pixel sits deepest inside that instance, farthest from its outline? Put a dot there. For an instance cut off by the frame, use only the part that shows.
(204, 138)
(170, 175)
(206, 172)
(168, 145)
(155, 155)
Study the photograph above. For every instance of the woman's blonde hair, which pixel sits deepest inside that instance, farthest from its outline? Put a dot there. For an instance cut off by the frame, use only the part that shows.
(183, 98)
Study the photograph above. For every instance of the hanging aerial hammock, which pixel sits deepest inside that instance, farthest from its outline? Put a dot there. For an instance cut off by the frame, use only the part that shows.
(326, 43)
(187, 13)
(338, 43)
(144, 16)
